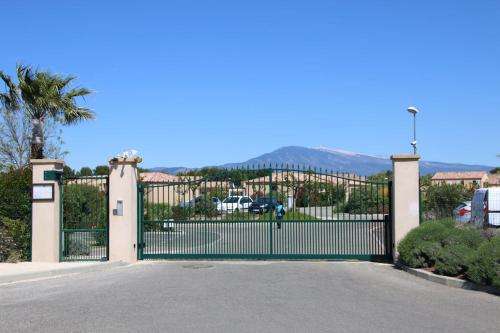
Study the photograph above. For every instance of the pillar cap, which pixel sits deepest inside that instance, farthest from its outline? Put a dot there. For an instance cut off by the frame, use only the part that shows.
(46, 161)
(124, 160)
(404, 157)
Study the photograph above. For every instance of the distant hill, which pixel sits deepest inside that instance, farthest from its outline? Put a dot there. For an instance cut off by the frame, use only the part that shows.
(335, 160)
(169, 170)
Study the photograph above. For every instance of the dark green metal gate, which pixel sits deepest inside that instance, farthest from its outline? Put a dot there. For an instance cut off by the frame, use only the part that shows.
(328, 216)
(84, 218)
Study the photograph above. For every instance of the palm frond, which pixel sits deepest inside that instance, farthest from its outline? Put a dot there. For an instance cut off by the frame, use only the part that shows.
(77, 114)
(10, 99)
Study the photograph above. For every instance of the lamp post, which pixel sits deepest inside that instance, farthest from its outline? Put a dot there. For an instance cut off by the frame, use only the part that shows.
(414, 111)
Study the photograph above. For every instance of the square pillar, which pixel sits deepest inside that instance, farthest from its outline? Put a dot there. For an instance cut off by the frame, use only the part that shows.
(405, 197)
(45, 231)
(123, 220)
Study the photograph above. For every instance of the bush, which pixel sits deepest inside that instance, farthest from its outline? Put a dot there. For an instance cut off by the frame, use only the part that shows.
(157, 212)
(15, 215)
(205, 206)
(369, 199)
(18, 236)
(84, 207)
(15, 194)
(484, 267)
(453, 259)
(463, 235)
(317, 194)
(7, 244)
(181, 214)
(421, 246)
(440, 200)
(76, 245)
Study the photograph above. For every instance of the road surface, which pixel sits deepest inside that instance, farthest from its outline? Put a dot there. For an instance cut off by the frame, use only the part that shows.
(245, 297)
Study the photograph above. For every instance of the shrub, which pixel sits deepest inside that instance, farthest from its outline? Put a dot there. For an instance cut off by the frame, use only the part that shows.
(440, 200)
(484, 267)
(316, 194)
(465, 235)
(76, 245)
(421, 246)
(453, 259)
(205, 206)
(19, 234)
(6, 242)
(84, 206)
(15, 194)
(181, 214)
(367, 199)
(158, 212)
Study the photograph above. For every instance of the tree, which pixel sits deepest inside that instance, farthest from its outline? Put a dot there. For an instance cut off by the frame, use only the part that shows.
(495, 170)
(15, 140)
(101, 170)
(85, 171)
(43, 96)
(68, 172)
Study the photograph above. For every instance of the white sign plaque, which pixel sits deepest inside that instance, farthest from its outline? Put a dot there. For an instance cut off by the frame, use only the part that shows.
(43, 191)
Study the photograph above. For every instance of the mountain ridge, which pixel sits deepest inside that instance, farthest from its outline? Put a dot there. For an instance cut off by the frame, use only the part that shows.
(333, 160)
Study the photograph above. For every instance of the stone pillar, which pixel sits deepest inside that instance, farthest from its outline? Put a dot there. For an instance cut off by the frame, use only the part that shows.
(45, 213)
(405, 197)
(123, 221)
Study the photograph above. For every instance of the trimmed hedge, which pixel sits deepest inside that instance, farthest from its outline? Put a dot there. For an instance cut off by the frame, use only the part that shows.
(485, 264)
(453, 259)
(453, 250)
(15, 215)
(421, 246)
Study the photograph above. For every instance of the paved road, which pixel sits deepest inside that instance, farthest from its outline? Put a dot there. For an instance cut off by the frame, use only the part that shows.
(245, 297)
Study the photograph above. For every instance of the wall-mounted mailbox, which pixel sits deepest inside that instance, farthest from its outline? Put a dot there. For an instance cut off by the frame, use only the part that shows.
(52, 174)
(118, 211)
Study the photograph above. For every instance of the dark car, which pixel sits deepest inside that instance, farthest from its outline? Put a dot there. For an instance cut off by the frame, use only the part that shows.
(263, 205)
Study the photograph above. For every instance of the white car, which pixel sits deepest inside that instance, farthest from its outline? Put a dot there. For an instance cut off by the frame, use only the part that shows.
(462, 213)
(486, 207)
(234, 203)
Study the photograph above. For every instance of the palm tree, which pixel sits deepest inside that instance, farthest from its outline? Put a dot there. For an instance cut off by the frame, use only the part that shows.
(41, 95)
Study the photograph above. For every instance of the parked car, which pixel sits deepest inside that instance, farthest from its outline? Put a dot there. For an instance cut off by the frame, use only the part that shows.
(234, 203)
(486, 207)
(263, 205)
(462, 213)
(199, 199)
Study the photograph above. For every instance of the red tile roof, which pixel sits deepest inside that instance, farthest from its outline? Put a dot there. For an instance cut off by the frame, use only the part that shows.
(459, 175)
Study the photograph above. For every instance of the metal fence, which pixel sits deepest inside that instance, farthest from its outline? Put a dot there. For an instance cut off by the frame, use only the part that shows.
(232, 213)
(84, 218)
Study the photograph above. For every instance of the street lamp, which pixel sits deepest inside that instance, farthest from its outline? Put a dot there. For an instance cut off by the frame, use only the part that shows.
(414, 111)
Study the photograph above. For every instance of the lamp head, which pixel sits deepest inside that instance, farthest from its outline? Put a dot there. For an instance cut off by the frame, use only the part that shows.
(412, 109)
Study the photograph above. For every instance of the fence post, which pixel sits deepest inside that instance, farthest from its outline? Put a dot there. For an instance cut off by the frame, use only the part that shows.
(46, 209)
(405, 197)
(123, 210)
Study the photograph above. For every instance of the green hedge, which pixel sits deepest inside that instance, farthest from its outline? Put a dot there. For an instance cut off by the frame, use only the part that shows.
(421, 246)
(485, 264)
(15, 215)
(453, 249)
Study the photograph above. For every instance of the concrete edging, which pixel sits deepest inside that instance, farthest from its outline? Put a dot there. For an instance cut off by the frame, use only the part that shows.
(18, 277)
(447, 280)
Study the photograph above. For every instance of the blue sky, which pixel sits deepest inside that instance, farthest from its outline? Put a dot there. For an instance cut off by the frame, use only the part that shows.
(196, 83)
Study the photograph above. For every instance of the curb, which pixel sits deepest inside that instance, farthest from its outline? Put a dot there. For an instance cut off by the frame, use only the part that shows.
(60, 271)
(447, 280)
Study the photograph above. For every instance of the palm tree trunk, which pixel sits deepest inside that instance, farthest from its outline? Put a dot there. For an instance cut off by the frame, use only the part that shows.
(37, 139)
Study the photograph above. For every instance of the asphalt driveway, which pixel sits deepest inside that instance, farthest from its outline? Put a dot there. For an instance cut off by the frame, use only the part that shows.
(245, 297)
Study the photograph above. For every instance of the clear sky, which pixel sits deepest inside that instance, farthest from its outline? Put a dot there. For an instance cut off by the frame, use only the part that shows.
(204, 82)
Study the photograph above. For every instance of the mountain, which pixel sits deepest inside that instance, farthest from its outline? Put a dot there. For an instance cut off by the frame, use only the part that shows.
(169, 170)
(336, 159)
